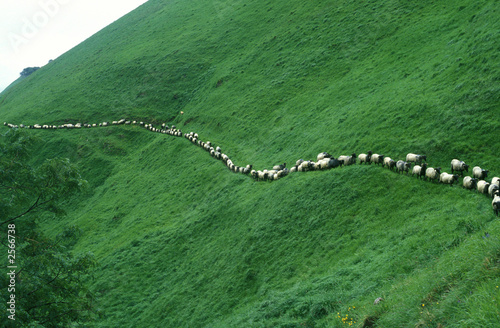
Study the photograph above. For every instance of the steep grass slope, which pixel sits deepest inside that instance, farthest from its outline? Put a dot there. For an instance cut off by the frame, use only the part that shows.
(184, 242)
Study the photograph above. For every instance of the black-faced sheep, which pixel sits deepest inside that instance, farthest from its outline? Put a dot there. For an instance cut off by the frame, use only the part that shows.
(283, 173)
(495, 203)
(279, 167)
(377, 159)
(247, 169)
(459, 166)
(347, 160)
(365, 158)
(415, 158)
(419, 170)
(448, 178)
(482, 186)
(328, 163)
(492, 189)
(403, 166)
(479, 173)
(389, 162)
(469, 183)
(305, 166)
(323, 155)
(432, 173)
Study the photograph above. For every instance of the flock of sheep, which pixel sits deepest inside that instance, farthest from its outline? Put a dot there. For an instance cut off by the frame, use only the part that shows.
(324, 161)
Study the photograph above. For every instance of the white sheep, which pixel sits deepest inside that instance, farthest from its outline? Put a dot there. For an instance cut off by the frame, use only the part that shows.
(283, 173)
(377, 159)
(389, 162)
(459, 166)
(279, 167)
(305, 166)
(365, 158)
(347, 160)
(496, 180)
(402, 166)
(247, 169)
(448, 178)
(323, 155)
(299, 162)
(482, 186)
(495, 203)
(328, 163)
(415, 158)
(492, 189)
(469, 183)
(419, 170)
(218, 149)
(479, 173)
(432, 173)
(322, 164)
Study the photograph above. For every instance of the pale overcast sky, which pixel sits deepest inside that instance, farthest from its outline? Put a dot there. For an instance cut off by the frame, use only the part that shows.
(34, 31)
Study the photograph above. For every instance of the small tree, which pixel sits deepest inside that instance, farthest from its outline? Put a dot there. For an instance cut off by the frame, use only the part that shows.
(50, 288)
(29, 70)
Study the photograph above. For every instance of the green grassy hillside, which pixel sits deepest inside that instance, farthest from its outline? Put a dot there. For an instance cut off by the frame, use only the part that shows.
(183, 242)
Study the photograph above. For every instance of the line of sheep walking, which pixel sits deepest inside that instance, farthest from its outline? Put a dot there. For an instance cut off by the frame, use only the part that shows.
(164, 128)
(421, 170)
(324, 161)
